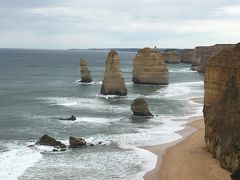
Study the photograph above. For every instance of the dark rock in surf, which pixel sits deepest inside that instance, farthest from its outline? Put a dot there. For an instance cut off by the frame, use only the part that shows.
(50, 141)
(139, 107)
(72, 118)
(76, 142)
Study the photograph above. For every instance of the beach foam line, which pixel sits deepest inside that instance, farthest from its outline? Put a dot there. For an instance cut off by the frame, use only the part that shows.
(16, 160)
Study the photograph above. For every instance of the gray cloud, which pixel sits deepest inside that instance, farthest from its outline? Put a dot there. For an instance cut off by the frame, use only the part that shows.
(108, 23)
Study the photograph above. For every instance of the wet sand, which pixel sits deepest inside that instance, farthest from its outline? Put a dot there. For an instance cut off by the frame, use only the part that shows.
(187, 159)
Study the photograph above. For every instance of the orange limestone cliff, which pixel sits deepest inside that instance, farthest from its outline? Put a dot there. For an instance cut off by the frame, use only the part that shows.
(113, 83)
(222, 107)
(202, 55)
(149, 67)
(172, 56)
(85, 73)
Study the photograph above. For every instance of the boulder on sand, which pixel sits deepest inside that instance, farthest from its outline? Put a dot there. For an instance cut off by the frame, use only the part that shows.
(76, 142)
(50, 141)
(139, 107)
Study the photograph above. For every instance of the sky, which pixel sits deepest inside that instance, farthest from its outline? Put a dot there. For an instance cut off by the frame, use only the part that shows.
(63, 24)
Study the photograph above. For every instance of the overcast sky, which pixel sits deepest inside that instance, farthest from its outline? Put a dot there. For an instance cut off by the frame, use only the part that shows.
(60, 24)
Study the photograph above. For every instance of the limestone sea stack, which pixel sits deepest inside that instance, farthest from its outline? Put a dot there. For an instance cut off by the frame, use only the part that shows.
(149, 67)
(85, 73)
(113, 83)
(222, 107)
(139, 107)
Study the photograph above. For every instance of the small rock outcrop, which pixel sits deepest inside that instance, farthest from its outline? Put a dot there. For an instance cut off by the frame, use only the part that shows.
(113, 83)
(85, 73)
(50, 141)
(222, 107)
(76, 142)
(72, 118)
(172, 56)
(139, 107)
(203, 54)
(149, 67)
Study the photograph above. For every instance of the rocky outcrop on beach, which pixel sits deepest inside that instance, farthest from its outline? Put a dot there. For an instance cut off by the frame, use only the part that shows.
(172, 56)
(76, 142)
(139, 107)
(203, 54)
(222, 107)
(50, 141)
(149, 67)
(113, 83)
(85, 73)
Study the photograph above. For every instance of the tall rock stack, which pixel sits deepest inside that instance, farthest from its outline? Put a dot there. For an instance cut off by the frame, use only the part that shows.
(149, 67)
(222, 107)
(85, 73)
(113, 83)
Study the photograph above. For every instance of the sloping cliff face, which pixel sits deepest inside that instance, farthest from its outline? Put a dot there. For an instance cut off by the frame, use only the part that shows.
(113, 83)
(149, 68)
(172, 56)
(222, 107)
(203, 54)
(85, 73)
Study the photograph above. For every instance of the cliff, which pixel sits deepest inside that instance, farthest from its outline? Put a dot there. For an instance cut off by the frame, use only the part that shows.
(113, 83)
(222, 107)
(172, 56)
(85, 73)
(202, 55)
(187, 55)
(149, 67)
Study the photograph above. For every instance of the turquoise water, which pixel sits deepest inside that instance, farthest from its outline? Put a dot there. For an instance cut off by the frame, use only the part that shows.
(39, 86)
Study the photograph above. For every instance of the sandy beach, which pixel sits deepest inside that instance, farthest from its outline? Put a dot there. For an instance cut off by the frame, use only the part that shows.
(187, 158)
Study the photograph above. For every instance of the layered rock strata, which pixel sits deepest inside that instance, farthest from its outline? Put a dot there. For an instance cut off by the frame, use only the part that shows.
(113, 83)
(139, 107)
(187, 55)
(222, 107)
(149, 67)
(203, 54)
(85, 73)
(172, 56)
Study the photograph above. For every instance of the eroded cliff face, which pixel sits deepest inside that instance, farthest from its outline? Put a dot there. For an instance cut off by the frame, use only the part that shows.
(222, 107)
(172, 56)
(149, 67)
(202, 55)
(113, 83)
(85, 73)
(187, 55)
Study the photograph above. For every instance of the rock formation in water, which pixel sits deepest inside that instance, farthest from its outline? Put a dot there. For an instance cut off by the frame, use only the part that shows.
(72, 118)
(172, 56)
(149, 67)
(139, 107)
(222, 107)
(113, 83)
(76, 142)
(85, 73)
(203, 54)
(187, 55)
(50, 141)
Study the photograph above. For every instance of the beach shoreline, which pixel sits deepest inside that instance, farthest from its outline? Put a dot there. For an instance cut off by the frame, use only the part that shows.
(186, 158)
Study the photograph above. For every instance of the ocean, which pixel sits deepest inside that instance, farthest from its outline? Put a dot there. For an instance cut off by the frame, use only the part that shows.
(37, 87)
